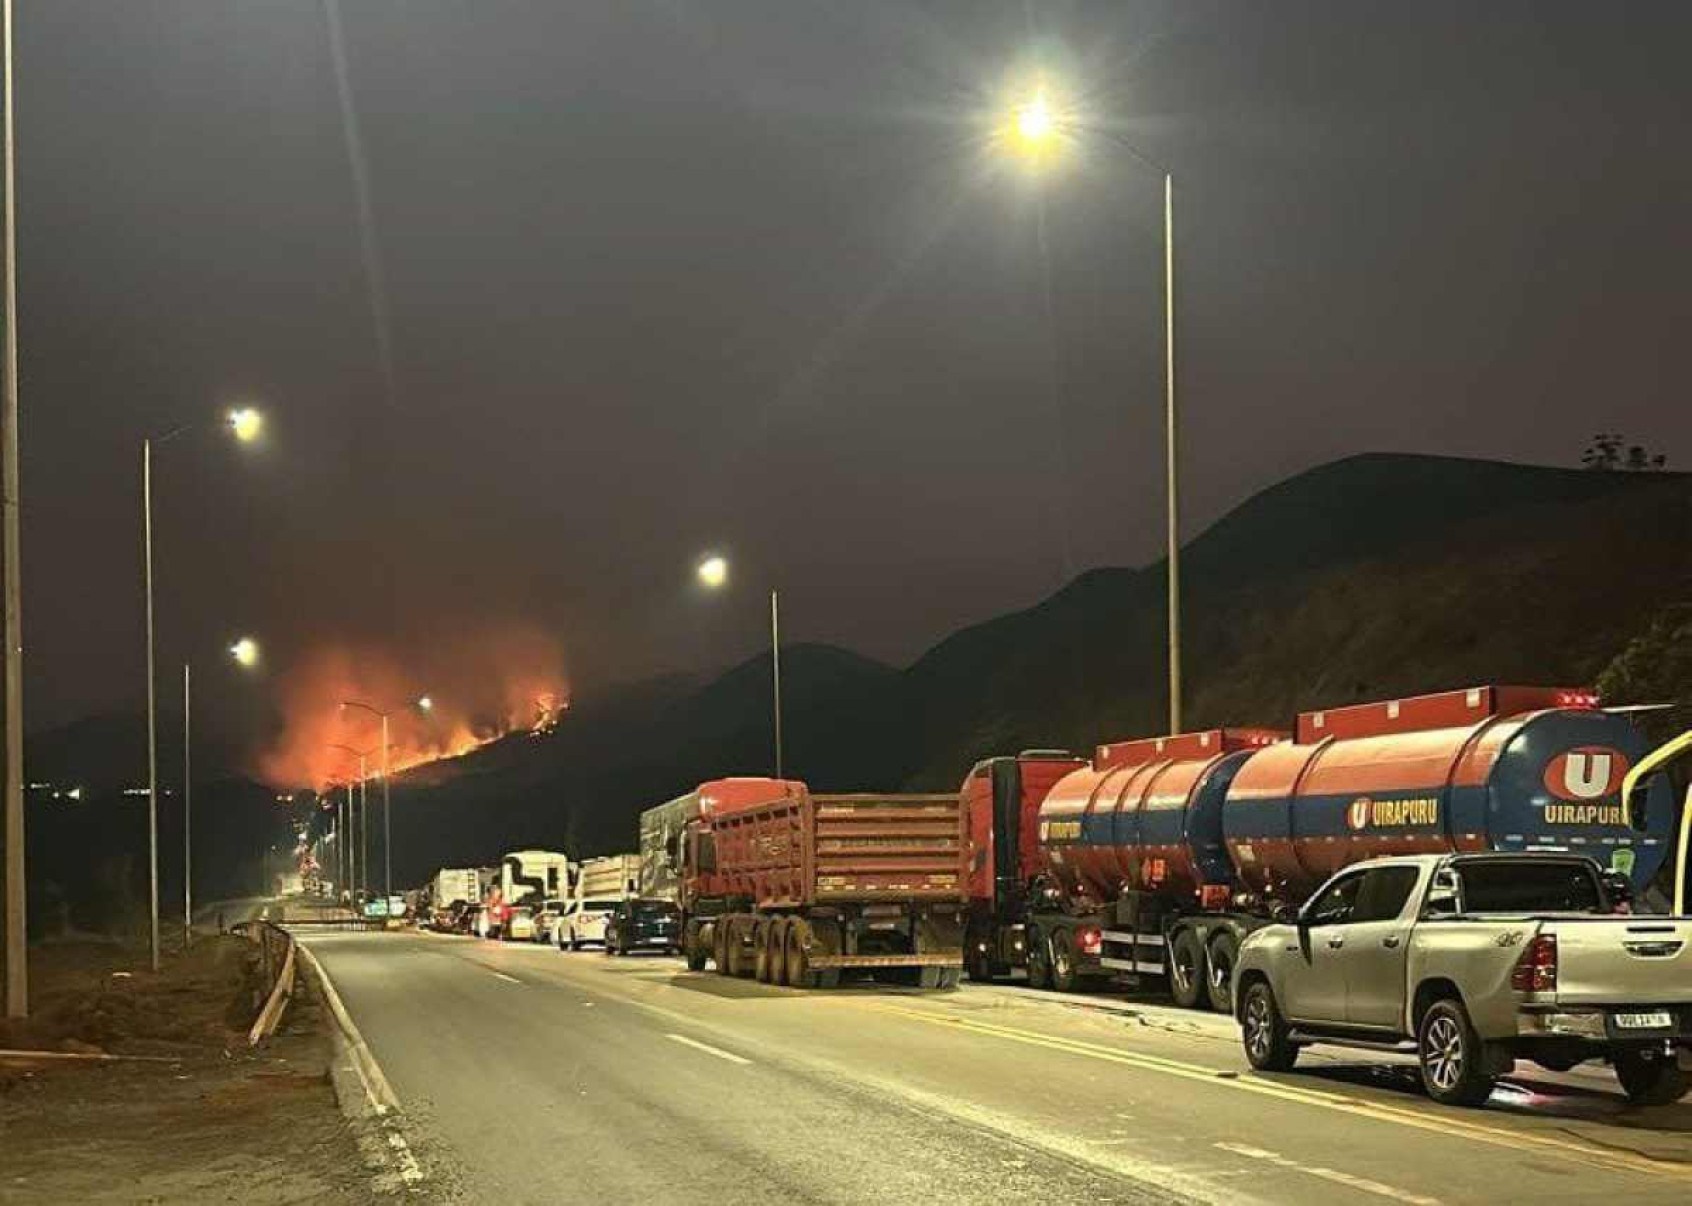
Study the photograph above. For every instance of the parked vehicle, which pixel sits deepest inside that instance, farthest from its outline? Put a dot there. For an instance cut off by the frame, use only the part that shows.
(1473, 961)
(795, 888)
(453, 885)
(518, 924)
(662, 831)
(643, 925)
(584, 922)
(547, 917)
(1164, 854)
(531, 876)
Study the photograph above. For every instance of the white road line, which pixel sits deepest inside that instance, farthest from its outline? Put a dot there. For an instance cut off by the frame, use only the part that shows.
(1329, 1174)
(707, 1048)
(508, 979)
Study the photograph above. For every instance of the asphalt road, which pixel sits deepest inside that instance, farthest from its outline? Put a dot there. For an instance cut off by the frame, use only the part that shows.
(529, 1075)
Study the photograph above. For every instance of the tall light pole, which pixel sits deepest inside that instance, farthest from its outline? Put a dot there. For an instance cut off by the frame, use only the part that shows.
(1038, 130)
(364, 803)
(245, 652)
(11, 625)
(423, 704)
(245, 424)
(713, 573)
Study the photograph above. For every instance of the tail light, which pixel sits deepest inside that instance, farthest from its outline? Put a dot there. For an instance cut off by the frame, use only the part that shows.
(1536, 970)
(1090, 940)
(1214, 897)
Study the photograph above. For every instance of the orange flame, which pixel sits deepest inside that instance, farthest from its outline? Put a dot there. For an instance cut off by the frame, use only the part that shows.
(489, 688)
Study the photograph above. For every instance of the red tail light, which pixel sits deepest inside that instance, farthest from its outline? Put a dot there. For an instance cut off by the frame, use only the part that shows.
(1536, 970)
(1214, 897)
(1090, 940)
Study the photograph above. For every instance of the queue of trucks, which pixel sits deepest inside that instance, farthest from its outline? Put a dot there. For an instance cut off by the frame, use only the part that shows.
(1155, 860)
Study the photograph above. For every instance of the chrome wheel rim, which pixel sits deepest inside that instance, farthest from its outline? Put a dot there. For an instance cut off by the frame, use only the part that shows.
(1257, 1026)
(1182, 970)
(1442, 1053)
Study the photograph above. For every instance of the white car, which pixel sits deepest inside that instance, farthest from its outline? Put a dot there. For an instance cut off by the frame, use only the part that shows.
(519, 924)
(584, 923)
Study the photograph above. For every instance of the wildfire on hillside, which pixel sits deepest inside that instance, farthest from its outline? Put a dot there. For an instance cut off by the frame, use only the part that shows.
(489, 689)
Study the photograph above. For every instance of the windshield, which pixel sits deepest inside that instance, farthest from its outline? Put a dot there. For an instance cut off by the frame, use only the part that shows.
(1530, 886)
(599, 906)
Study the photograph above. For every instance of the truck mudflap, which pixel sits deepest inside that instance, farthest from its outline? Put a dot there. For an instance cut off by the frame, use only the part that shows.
(935, 959)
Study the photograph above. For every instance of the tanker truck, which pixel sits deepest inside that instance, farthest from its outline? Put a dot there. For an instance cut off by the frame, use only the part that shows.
(1160, 856)
(794, 888)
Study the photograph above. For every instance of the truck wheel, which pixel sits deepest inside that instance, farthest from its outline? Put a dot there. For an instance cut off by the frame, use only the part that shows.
(695, 951)
(778, 951)
(1064, 975)
(1186, 968)
(1452, 1057)
(1039, 967)
(1268, 1045)
(978, 963)
(1219, 960)
(799, 973)
(1650, 1077)
(950, 978)
(761, 953)
(719, 947)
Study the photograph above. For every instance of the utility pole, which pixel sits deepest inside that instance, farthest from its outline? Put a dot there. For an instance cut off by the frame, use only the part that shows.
(387, 827)
(152, 707)
(775, 667)
(187, 809)
(1171, 450)
(11, 692)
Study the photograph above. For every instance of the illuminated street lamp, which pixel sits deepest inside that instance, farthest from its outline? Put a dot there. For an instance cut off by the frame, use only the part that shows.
(245, 424)
(245, 654)
(425, 704)
(358, 838)
(713, 572)
(1036, 131)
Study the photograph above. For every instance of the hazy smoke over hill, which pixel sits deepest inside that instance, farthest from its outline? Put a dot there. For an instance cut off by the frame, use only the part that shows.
(478, 688)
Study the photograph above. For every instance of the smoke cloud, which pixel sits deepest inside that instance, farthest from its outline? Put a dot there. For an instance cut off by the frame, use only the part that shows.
(479, 688)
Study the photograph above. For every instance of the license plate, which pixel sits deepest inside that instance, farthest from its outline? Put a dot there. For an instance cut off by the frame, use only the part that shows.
(1656, 1019)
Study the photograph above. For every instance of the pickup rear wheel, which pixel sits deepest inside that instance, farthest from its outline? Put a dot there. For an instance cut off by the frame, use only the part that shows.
(1450, 1053)
(1268, 1043)
(1650, 1077)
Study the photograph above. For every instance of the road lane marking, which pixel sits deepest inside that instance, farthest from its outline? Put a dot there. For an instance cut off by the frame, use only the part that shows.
(1609, 1159)
(1329, 1174)
(707, 1048)
(508, 979)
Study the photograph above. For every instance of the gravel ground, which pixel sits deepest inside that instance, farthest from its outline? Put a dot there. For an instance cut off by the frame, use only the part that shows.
(205, 1120)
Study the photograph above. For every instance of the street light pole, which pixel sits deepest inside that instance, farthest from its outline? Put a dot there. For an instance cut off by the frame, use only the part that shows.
(387, 826)
(1172, 467)
(11, 626)
(775, 671)
(187, 808)
(152, 718)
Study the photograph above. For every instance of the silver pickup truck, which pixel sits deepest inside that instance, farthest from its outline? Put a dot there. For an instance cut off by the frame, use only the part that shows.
(1471, 962)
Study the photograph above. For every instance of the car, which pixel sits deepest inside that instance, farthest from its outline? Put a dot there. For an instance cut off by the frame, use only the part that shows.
(643, 925)
(547, 918)
(584, 924)
(519, 925)
(1471, 962)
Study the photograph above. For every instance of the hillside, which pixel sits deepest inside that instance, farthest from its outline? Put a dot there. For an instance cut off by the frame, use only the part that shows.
(1368, 577)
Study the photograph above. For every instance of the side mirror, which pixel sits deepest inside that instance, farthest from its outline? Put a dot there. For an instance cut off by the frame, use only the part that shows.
(1286, 914)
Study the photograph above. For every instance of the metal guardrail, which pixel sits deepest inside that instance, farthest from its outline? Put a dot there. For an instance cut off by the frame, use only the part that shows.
(278, 955)
(336, 923)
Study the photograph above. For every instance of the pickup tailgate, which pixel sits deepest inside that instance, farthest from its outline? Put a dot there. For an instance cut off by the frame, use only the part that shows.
(1623, 960)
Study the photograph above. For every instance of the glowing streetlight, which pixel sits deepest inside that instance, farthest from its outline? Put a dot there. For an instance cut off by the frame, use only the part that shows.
(425, 703)
(246, 423)
(1035, 130)
(713, 571)
(245, 652)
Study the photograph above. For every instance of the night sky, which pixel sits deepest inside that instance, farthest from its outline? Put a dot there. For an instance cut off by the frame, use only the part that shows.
(648, 277)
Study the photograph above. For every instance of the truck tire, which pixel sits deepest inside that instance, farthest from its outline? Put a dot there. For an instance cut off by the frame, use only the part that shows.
(1220, 959)
(695, 950)
(950, 978)
(799, 973)
(1064, 976)
(719, 947)
(1039, 962)
(777, 943)
(1186, 968)
(1650, 1077)
(1451, 1056)
(1267, 1038)
(978, 963)
(761, 953)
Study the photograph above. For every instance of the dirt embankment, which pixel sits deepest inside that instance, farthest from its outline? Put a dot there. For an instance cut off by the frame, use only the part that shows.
(199, 1117)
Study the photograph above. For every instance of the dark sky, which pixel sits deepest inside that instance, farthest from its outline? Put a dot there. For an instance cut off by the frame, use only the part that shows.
(662, 276)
